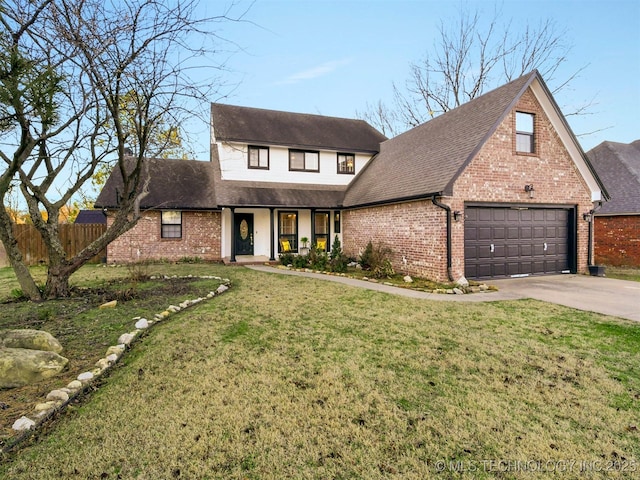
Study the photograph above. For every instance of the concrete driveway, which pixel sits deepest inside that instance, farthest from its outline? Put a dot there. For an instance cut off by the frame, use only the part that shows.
(619, 298)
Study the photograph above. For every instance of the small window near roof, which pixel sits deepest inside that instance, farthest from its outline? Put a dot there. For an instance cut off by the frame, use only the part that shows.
(304, 161)
(346, 163)
(259, 157)
(525, 132)
(171, 224)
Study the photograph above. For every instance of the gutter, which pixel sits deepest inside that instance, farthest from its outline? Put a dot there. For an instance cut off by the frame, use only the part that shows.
(447, 209)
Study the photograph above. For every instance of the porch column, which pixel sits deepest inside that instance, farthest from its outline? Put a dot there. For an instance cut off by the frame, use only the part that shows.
(233, 234)
(271, 236)
(313, 226)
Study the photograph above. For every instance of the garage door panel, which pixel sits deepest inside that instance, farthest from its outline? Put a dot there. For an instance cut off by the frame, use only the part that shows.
(525, 241)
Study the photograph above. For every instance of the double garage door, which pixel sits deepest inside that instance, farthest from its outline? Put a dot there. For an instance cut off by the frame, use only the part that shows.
(517, 241)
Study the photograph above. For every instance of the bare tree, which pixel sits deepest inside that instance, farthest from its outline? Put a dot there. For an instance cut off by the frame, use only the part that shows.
(65, 68)
(466, 61)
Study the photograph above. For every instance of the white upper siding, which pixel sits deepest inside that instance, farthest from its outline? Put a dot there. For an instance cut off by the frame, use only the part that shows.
(234, 166)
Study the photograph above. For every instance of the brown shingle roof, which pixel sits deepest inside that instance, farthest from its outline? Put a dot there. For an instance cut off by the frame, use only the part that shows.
(174, 184)
(270, 127)
(618, 166)
(427, 159)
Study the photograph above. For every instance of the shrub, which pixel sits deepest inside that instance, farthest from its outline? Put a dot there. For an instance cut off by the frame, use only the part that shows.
(286, 258)
(375, 259)
(300, 261)
(318, 259)
(338, 260)
(138, 271)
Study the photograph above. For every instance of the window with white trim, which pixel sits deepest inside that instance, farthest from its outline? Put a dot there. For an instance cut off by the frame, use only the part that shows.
(525, 132)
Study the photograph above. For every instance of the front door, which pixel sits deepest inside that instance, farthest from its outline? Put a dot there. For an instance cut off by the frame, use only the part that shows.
(244, 233)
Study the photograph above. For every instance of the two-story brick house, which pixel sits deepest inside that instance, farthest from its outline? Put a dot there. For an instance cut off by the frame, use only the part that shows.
(497, 187)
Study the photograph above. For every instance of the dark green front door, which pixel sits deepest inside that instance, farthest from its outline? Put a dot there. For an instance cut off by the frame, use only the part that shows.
(244, 233)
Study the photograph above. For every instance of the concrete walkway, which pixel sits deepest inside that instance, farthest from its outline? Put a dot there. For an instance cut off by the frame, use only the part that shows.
(618, 298)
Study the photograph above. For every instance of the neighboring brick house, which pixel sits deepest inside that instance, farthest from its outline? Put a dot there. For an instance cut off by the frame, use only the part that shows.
(617, 223)
(494, 188)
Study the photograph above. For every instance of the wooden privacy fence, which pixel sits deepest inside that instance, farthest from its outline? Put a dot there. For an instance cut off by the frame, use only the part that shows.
(74, 238)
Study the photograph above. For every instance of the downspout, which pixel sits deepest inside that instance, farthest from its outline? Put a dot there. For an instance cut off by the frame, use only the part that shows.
(447, 209)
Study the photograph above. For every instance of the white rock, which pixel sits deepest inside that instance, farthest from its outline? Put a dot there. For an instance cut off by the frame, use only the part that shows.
(125, 338)
(58, 395)
(463, 282)
(408, 279)
(43, 407)
(23, 423)
(103, 363)
(115, 349)
(113, 358)
(142, 323)
(86, 376)
(457, 291)
(222, 288)
(75, 385)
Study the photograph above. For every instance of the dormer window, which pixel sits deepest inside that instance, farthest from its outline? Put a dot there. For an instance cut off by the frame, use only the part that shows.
(525, 132)
(259, 157)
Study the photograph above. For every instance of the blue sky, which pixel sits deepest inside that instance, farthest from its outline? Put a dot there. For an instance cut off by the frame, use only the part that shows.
(332, 57)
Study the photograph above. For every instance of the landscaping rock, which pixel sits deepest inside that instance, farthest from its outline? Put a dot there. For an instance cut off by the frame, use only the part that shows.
(462, 282)
(222, 288)
(111, 304)
(43, 407)
(74, 385)
(115, 349)
(125, 338)
(85, 377)
(30, 339)
(23, 423)
(142, 323)
(408, 279)
(21, 366)
(58, 396)
(458, 291)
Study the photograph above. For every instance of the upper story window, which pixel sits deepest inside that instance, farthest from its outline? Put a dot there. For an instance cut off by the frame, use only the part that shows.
(304, 161)
(346, 163)
(259, 157)
(525, 132)
(171, 224)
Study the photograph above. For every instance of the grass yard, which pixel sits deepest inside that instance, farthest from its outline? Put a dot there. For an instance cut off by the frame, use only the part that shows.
(288, 377)
(623, 273)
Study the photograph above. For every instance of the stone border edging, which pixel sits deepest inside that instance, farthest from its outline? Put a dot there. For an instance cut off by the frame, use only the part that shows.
(457, 290)
(58, 399)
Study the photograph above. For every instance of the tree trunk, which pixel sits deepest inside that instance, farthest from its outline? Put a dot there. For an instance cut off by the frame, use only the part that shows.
(26, 281)
(57, 283)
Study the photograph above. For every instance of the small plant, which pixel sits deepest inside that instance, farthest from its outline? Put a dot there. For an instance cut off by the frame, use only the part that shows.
(286, 258)
(190, 260)
(300, 261)
(337, 259)
(375, 258)
(318, 259)
(17, 294)
(304, 241)
(138, 271)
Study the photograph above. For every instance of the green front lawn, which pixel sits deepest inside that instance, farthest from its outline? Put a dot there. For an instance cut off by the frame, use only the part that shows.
(289, 377)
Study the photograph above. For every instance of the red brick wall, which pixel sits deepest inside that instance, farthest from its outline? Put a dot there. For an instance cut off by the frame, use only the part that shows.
(201, 232)
(417, 230)
(412, 230)
(617, 240)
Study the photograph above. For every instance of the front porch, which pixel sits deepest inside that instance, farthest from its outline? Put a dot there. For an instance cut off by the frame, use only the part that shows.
(249, 260)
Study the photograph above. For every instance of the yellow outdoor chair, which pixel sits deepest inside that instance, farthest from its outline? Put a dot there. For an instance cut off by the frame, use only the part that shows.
(285, 246)
(321, 244)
